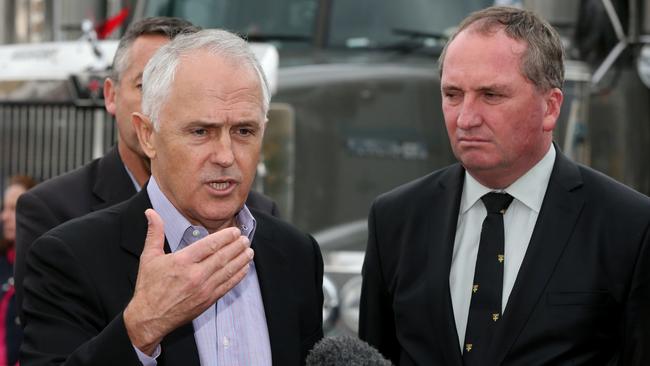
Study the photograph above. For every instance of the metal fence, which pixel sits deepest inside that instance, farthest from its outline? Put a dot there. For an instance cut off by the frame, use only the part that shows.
(44, 140)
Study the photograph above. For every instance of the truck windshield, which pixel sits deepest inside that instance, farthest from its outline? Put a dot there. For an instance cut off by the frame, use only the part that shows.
(350, 24)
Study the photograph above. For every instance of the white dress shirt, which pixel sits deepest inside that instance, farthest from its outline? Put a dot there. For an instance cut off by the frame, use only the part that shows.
(519, 221)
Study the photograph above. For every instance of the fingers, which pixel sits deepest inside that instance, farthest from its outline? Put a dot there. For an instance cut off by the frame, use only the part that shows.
(155, 241)
(214, 242)
(228, 275)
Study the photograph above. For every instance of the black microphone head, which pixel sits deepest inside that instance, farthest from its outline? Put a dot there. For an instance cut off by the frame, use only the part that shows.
(345, 351)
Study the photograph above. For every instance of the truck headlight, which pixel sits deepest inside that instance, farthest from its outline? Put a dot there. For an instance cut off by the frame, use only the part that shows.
(330, 304)
(350, 299)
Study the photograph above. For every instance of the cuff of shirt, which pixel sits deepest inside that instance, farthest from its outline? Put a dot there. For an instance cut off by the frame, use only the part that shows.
(147, 360)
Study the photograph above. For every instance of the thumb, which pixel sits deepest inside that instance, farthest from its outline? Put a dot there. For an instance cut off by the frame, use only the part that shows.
(155, 242)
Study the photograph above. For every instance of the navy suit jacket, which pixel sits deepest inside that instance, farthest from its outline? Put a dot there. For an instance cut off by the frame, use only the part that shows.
(581, 297)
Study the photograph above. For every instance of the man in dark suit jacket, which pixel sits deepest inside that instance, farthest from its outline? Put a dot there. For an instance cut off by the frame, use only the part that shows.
(180, 286)
(114, 177)
(573, 267)
(85, 326)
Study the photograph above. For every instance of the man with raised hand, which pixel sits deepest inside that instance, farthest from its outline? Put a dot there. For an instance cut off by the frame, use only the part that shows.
(119, 174)
(181, 285)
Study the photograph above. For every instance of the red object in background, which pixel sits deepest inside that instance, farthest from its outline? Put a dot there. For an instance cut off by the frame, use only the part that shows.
(105, 29)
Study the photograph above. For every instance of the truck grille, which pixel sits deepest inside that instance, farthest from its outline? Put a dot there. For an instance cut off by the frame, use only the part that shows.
(44, 140)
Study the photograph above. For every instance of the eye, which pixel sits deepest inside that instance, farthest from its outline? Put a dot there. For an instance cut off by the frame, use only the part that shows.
(493, 97)
(244, 131)
(199, 132)
(139, 86)
(452, 96)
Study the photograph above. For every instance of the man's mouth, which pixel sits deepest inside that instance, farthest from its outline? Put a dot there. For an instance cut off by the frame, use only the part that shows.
(220, 186)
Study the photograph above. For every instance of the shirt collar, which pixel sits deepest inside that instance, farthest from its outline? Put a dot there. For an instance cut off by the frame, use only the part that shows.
(135, 182)
(529, 189)
(176, 225)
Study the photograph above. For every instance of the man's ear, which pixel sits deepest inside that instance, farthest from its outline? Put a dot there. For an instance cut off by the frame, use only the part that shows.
(146, 134)
(554, 98)
(109, 95)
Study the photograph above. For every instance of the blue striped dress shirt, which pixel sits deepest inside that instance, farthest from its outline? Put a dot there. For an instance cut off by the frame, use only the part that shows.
(232, 332)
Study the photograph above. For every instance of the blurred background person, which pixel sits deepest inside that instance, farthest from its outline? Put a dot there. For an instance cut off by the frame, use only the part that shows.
(10, 332)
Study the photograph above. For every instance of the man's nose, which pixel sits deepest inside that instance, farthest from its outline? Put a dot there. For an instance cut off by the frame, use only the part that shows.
(469, 115)
(222, 153)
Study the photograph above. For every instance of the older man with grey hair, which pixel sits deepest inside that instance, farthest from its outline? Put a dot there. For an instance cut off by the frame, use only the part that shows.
(184, 273)
(124, 169)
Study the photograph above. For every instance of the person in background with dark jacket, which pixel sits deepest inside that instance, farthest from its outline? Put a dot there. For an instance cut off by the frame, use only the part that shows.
(10, 332)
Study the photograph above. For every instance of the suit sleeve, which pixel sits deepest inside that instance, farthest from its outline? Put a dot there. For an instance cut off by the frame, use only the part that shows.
(33, 219)
(376, 318)
(63, 323)
(637, 311)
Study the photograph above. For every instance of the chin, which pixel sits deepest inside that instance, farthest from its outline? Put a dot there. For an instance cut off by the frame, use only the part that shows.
(222, 212)
(478, 163)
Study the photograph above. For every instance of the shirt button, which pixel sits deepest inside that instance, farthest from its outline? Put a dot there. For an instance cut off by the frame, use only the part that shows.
(226, 342)
(195, 233)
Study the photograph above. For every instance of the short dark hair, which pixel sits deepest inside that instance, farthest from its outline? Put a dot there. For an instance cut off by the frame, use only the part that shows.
(542, 62)
(164, 26)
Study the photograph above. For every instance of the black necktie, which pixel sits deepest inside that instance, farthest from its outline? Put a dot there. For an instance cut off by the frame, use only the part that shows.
(485, 306)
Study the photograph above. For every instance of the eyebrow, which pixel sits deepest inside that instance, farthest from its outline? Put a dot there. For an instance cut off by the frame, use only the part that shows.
(498, 87)
(212, 124)
(483, 88)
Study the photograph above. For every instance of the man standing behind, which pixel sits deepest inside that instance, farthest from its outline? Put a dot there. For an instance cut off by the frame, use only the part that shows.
(517, 255)
(125, 299)
(125, 168)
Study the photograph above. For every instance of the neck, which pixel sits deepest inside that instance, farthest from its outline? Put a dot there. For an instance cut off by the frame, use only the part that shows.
(138, 166)
(216, 226)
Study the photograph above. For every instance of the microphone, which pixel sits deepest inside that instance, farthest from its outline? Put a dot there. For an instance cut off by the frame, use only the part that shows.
(345, 351)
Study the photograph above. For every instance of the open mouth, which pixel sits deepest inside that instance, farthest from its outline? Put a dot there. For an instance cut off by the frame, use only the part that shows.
(220, 186)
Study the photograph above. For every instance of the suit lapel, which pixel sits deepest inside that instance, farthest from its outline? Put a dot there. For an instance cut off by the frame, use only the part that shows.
(561, 208)
(443, 227)
(178, 347)
(112, 183)
(271, 267)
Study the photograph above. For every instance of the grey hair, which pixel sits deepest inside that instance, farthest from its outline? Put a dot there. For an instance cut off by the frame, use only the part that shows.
(542, 62)
(162, 26)
(159, 73)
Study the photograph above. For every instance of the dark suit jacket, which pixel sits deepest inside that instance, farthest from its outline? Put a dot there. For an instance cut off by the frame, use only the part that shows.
(581, 297)
(101, 183)
(75, 292)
